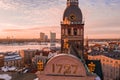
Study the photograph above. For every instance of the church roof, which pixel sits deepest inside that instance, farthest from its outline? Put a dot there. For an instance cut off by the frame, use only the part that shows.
(73, 10)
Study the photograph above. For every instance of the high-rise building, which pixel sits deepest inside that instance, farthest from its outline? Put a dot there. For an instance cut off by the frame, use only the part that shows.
(52, 38)
(46, 37)
(42, 36)
(72, 27)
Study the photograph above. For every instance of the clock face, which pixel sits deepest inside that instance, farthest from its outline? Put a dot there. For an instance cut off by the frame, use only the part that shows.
(72, 17)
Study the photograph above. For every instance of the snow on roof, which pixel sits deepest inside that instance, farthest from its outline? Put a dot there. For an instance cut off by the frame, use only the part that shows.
(18, 58)
(5, 77)
(12, 57)
(11, 68)
(51, 54)
(25, 71)
(97, 78)
(36, 79)
(6, 68)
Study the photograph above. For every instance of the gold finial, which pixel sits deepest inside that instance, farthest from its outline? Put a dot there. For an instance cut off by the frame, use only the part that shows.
(66, 21)
(66, 43)
(91, 67)
(40, 66)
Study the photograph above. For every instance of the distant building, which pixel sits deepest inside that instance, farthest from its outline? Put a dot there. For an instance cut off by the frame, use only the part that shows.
(46, 38)
(108, 53)
(40, 56)
(1, 60)
(13, 59)
(110, 66)
(42, 36)
(27, 55)
(52, 38)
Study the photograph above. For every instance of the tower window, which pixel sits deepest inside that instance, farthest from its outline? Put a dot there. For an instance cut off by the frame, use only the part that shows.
(69, 31)
(81, 32)
(75, 31)
(63, 31)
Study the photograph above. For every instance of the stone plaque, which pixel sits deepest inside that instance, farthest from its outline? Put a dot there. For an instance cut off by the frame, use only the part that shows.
(64, 67)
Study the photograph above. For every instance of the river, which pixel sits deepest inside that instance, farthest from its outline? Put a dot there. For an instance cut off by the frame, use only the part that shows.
(30, 45)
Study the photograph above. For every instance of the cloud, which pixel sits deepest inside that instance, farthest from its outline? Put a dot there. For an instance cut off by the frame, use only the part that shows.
(13, 30)
(5, 5)
(42, 28)
(102, 32)
(24, 15)
(32, 12)
(30, 4)
(33, 32)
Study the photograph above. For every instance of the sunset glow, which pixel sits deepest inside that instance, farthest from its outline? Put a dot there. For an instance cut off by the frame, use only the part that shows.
(27, 18)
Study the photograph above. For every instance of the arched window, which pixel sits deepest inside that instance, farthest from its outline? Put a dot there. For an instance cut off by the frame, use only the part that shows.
(69, 31)
(81, 31)
(63, 31)
(75, 31)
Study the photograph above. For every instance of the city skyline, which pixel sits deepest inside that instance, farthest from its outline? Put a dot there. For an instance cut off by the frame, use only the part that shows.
(27, 18)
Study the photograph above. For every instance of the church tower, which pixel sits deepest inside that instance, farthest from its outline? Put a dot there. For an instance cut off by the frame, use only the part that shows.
(72, 27)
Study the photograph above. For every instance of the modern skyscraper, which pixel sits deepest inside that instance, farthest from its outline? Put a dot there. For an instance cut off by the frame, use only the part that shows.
(42, 36)
(52, 38)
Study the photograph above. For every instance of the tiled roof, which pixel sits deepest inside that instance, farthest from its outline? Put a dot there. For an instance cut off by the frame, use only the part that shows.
(114, 55)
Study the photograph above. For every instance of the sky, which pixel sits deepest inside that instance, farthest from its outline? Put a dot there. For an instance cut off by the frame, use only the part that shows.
(27, 18)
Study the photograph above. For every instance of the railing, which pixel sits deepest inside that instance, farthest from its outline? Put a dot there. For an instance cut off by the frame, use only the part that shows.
(73, 22)
(75, 51)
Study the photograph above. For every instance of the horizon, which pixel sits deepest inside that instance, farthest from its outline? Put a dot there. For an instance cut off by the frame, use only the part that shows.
(26, 19)
(59, 38)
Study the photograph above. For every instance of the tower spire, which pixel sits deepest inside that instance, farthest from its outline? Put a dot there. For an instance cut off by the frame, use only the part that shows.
(72, 2)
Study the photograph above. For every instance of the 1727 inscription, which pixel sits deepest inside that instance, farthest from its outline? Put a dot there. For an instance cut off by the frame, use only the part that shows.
(66, 69)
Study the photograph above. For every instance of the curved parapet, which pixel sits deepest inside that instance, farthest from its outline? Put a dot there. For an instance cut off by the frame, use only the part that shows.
(64, 64)
(65, 67)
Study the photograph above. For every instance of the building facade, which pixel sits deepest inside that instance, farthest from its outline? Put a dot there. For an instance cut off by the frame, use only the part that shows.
(27, 56)
(72, 27)
(39, 56)
(110, 66)
(68, 66)
(52, 39)
(1, 60)
(42, 36)
(13, 59)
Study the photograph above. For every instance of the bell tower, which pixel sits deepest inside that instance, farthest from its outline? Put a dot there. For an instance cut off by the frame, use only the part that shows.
(72, 28)
(72, 2)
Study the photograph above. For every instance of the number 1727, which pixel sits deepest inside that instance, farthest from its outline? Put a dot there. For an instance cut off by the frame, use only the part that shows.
(64, 68)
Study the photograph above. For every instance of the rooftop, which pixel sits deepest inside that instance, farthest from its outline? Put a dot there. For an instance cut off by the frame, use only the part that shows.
(114, 55)
(17, 76)
(12, 56)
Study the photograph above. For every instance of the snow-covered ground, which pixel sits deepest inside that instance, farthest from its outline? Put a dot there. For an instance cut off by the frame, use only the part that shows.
(6, 68)
(5, 77)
